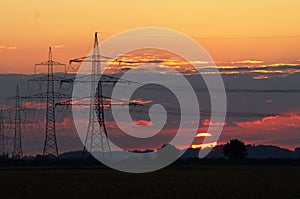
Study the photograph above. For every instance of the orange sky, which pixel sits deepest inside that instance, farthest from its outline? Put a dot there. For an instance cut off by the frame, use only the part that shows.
(29, 27)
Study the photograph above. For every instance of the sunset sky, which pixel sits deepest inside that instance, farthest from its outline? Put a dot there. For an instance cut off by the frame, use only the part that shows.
(29, 27)
(255, 44)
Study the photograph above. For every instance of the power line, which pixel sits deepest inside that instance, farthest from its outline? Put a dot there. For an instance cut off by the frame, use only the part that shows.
(214, 38)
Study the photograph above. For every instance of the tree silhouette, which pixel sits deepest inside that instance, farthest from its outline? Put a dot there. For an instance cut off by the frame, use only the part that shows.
(235, 150)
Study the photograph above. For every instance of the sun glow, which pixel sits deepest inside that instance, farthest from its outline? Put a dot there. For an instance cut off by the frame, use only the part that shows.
(203, 135)
(204, 146)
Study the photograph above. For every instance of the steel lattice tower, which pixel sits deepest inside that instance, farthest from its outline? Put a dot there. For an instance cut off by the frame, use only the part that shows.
(50, 144)
(96, 137)
(16, 123)
(17, 151)
(2, 136)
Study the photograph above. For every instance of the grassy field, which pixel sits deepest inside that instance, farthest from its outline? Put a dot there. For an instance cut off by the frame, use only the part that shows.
(193, 182)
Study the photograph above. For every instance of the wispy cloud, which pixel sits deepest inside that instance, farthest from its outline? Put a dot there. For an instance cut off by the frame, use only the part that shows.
(204, 146)
(203, 135)
(58, 46)
(259, 71)
(260, 77)
(248, 61)
(12, 48)
(8, 47)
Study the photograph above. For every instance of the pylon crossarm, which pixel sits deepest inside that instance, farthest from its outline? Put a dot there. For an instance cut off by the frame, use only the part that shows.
(102, 78)
(45, 96)
(45, 78)
(50, 62)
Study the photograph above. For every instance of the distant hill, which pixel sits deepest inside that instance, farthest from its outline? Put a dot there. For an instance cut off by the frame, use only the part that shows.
(256, 152)
(269, 151)
(71, 155)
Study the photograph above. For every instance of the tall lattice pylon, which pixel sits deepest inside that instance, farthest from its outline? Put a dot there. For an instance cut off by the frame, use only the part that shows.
(96, 137)
(17, 123)
(17, 151)
(50, 142)
(2, 136)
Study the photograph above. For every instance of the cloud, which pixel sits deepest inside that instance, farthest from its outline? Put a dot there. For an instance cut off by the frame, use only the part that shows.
(249, 62)
(259, 71)
(204, 146)
(198, 62)
(8, 47)
(207, 122)
(280, 130)
(142, 122)
(203, 135)
(260, 77)
(272, 123)
(12, 48)
(249, 129)
(58, 46)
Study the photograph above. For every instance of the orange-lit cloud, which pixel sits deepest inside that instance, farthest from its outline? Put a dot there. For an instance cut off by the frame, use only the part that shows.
(204, 146)
(58, 46)
(279, 130)
(142, 122)
(260, 77)
(35, 105)
(9, 47)
(207, 122)
(12, 48)
(203, 135)
(272, 123)
(284, 64)
(249, 62)
(164, 61)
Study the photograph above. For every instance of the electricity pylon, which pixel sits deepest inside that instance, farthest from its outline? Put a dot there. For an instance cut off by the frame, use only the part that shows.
(2, 136)
(50, 142)
(17, 152)
(97, 138)
(16, 124)
(5, 124)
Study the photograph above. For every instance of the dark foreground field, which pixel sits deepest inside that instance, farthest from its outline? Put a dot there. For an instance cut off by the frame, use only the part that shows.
(197, 182)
